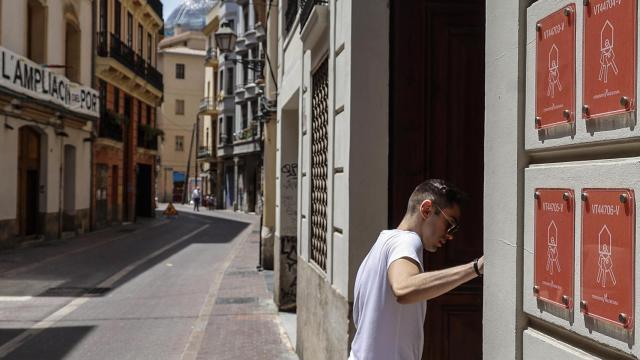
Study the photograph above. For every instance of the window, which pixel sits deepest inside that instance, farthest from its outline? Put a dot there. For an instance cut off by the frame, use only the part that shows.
(104, 15)
(149, 47)
(116, 100)
(129, 29)
(208, 89)
(179, 143)
(179, 107)
(229, 129)
(179, 71)
(245, 13)
(244, 116)
(36, 31)
(140, 39)
(232, 24)
(149, 116)
(254, 110)
(229, 84)
(117, 26)
(220, 79)
(245, 70)
(139, 112)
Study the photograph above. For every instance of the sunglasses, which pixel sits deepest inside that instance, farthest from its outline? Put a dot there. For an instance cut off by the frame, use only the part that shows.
(454, 226)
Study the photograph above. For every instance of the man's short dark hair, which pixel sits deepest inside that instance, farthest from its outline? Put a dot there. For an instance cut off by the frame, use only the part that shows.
(439, 191)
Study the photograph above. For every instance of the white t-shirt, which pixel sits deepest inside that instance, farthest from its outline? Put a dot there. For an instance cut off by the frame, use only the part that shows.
(386, 329)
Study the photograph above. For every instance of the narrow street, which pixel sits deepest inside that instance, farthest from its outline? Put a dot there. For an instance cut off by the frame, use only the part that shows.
(181, 288)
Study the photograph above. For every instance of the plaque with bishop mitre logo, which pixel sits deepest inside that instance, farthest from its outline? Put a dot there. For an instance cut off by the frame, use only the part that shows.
(554, 246)
(609, 58)
(556, 68)
(607, 256)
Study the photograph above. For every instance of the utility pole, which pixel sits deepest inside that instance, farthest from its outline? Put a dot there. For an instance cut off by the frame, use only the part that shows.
(186, 179)
(197, 148)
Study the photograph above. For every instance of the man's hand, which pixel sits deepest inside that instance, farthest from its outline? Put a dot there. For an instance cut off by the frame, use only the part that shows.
(481, 264)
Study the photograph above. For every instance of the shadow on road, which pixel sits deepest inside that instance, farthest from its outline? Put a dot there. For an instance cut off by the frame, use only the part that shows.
(61, 341)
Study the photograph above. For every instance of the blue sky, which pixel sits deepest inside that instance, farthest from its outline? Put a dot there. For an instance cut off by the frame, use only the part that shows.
(168, 6)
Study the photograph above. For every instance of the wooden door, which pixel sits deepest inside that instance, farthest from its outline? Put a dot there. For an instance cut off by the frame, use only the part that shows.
(28, 181)
(436, 131)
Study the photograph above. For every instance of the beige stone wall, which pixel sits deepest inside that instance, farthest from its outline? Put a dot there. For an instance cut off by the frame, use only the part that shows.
(189, 90)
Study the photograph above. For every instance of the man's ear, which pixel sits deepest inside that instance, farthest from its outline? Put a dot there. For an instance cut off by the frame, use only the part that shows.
(425, 208)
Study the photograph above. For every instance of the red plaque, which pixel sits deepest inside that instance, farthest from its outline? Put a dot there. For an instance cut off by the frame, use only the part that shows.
(609, 57)
(608, 224)
(556, 68)
(554, 238)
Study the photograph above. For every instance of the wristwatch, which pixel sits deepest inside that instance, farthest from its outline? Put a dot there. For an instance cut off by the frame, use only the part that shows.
(475, 267)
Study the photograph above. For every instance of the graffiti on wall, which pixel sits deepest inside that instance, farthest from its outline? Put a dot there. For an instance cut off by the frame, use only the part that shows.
(288, 271)
(289, 202)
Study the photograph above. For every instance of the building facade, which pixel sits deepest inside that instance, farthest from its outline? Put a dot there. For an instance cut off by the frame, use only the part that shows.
(241, 83)
(131, 88)
(49, 110)
(528, 106)
(182, 57)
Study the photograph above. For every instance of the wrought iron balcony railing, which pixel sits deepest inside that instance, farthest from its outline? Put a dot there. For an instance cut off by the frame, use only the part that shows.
(110, 45)
(290, 15)
(204, 152)
(147, 137)
(207, 105)
(110, 126)
(156, 5)
(306, 6)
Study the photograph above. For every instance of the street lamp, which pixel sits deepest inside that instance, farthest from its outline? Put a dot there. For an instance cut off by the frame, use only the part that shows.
(226, 42)
(225, 38)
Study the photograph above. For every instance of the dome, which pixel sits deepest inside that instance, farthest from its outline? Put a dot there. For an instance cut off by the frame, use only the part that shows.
(190, 15)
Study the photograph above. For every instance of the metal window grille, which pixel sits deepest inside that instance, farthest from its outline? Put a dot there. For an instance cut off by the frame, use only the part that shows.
(319, 172)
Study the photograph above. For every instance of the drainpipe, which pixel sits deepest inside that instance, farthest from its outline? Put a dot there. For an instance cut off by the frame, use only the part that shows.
(60, 186)
(93, 130)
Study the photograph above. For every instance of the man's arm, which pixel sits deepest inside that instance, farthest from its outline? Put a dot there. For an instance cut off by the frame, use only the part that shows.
(410, 286)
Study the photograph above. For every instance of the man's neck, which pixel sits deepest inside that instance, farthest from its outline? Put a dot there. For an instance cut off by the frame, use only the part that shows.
(409, 223)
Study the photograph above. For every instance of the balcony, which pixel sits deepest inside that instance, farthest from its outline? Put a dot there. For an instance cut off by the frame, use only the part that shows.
(211, 59)
(290, 15)
(306, 7)
(208, 106)
(247, 134)
(156, 6)
(110, 45)
(110, 126)
(148, 137)
(205, 153)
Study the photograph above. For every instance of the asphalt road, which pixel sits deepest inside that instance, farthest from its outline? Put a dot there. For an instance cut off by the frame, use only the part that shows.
(135, 292)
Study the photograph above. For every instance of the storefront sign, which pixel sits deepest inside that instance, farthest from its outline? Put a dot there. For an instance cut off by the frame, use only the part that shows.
(608, 233)
(555, 68)
(554, 239)
(26, 77)
(609, 57)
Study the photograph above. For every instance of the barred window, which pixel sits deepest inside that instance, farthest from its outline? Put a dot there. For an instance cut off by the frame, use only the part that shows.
(319, 172)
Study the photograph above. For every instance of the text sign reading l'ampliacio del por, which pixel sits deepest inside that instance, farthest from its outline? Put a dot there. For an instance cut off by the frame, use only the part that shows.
(553, 252)
(609, 57)
(22, 75)
(607, 258)
(555, 68)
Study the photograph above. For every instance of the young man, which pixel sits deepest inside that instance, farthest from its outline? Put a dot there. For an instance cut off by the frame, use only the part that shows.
(195, 196)
(392, 288)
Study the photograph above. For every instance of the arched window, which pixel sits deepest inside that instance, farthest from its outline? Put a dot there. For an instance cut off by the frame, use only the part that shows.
(36, 31)
(72, 44)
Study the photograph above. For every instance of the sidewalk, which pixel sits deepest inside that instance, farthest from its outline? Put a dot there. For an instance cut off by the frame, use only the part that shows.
(244, 322)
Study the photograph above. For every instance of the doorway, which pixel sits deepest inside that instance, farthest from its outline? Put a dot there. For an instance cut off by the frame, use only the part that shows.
(28, 181)
(114, 195)
(436, 131)
(143, 191)
(102, 178)
(69, 190)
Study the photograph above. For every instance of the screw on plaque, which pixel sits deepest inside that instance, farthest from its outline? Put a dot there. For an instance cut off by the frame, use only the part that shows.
(538, 27)
(565, 196)
(567, 11)
(585, 109)
(585, 2)
(584, 196)
(536, 195)
(624, 101)
(565, 300)
(583, 305)
(624, 198)
(538, 120)
(623, 318)
(536, 289)
(567, 114)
